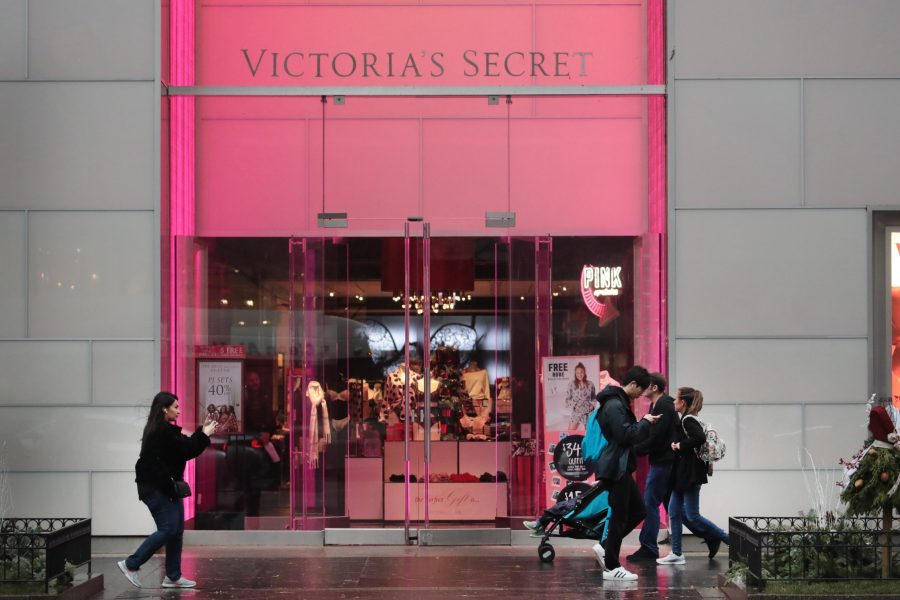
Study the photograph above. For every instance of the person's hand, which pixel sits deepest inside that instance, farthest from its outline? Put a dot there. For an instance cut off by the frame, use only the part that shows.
(652, 418)
(676, 446)
(210, 427)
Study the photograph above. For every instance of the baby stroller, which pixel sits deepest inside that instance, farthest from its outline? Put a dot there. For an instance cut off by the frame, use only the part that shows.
(583, 518)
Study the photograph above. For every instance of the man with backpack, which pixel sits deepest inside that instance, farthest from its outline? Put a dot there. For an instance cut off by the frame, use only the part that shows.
(658, 448)
(616, 464)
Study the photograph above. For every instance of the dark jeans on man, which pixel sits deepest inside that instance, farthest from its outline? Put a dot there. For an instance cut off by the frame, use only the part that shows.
(626, 511)
(656, 491)
(168, 513)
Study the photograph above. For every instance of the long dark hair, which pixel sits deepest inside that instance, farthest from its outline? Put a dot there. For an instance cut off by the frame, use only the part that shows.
(156, 418)
(582, 382)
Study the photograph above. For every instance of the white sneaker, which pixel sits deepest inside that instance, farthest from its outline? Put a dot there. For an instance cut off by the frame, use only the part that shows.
(535, 527)
(600, 553)
(181, 583)
(619, 574)
(671, 559)
(130, 575)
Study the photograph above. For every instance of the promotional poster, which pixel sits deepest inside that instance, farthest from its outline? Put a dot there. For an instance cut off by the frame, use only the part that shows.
(219, 384)
(570, 385)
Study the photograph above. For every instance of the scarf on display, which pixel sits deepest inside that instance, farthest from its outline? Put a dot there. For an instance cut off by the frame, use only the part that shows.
(316, 396)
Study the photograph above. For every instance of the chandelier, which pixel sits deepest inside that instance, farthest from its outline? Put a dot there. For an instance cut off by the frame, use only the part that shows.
(439, 301)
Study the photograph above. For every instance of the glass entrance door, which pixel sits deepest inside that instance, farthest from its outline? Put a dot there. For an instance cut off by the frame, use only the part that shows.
(412, 380)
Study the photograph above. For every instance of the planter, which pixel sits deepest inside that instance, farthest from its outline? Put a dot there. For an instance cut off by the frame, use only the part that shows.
(39, 550)
(799, 549)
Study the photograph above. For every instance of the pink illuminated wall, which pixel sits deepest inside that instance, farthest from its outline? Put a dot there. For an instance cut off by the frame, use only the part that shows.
(576, 165)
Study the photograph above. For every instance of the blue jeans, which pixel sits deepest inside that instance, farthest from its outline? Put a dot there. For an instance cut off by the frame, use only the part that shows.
(684, 509)
(656, 492)
(168, 513)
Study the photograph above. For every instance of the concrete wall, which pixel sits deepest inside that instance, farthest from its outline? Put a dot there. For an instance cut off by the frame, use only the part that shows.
(79, 227)
(784, 128)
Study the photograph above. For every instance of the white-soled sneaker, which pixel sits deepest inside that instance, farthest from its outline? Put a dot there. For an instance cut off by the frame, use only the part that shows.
(537, 530)
(130, 575)
(600, 553)
(182, 582)
(671, 559)
(619, 574)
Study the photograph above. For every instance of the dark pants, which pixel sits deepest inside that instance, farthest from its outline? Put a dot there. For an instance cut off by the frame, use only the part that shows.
(626, 509)
(168, 513)
(656, 492)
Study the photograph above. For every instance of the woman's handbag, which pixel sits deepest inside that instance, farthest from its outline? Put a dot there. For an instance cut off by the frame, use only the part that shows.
(181, 489)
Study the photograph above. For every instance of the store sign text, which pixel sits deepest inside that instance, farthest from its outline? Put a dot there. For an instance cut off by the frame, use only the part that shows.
(415, 65)
(599, 281)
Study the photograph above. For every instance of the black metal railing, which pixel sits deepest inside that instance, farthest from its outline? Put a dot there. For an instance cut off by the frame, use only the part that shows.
(39, 550)
(805, 549)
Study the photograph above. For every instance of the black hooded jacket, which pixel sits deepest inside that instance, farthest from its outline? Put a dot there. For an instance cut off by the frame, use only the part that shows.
(622, 432)
(662, 433)
(163, 457)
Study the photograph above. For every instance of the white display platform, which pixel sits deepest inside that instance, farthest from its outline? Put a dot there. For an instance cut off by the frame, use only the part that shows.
(448, 501)
(448, 457)
(365, 498)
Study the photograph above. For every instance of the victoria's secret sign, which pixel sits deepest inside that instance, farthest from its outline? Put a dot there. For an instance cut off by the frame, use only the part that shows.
(264, 62)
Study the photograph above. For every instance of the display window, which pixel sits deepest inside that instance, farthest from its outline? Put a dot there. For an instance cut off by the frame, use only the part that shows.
(894, 266)
(317, 371)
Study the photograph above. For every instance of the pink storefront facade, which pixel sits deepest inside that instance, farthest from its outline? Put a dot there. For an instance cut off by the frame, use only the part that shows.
(377, 220)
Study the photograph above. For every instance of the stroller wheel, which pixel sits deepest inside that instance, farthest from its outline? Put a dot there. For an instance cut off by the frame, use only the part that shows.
(546, 553)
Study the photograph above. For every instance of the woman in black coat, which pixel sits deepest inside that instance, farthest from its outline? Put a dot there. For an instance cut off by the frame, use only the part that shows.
(164, 452)
(688, 474)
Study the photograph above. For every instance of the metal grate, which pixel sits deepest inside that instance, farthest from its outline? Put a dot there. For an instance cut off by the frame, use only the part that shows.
(800, 549)
(37, 550)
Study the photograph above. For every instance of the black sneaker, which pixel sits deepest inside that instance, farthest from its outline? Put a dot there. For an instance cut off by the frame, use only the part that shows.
(713, 546)
(666, 541)
(642, 554)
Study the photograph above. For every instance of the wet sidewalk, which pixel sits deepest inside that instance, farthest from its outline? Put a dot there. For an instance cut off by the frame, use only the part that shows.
(412, 573)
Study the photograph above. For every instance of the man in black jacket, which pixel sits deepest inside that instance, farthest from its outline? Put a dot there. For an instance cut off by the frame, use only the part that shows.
(658, 447)
(616, 464)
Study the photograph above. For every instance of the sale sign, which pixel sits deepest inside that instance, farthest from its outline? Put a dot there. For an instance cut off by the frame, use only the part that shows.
(219, 385)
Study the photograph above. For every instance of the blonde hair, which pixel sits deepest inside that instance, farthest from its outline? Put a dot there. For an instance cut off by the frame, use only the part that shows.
(693, 400)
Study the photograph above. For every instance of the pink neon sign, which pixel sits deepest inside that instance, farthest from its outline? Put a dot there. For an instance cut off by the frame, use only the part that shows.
(597, 283)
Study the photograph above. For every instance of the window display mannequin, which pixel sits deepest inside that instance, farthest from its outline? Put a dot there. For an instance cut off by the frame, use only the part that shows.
(393, 408)
(504, 396)
(478, 388)
(476, 416)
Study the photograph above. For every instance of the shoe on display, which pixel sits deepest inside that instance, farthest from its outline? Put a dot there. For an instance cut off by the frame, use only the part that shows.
(600, 553)
(642, 554)
(619, 574)
(181, 582)
(713, 545)
(671, 559)
(131, 576)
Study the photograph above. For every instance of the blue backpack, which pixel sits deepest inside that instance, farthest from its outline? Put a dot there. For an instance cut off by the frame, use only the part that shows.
(594, 441)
